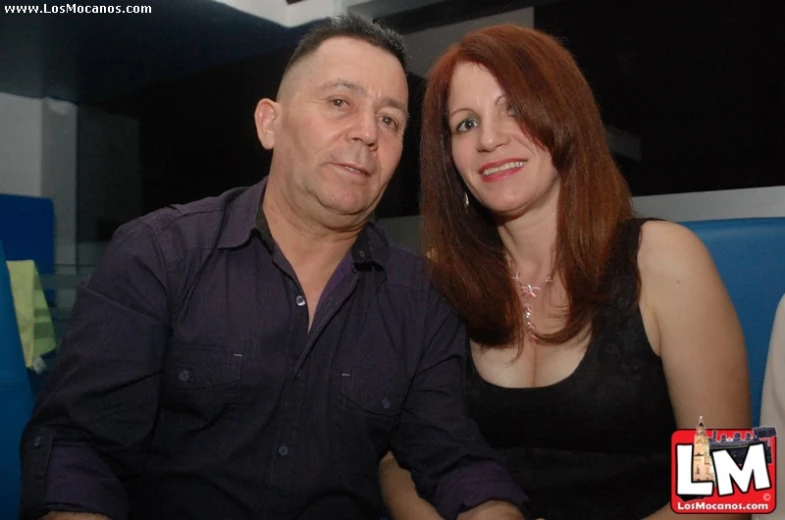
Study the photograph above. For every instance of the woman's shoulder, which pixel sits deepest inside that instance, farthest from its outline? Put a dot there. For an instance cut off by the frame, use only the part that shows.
(677, 276)
(671, 251)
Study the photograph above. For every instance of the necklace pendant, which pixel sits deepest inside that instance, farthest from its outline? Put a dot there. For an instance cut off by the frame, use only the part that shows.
(529, 292)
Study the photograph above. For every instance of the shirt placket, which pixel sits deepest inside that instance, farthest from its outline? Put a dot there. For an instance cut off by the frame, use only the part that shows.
(283, 459)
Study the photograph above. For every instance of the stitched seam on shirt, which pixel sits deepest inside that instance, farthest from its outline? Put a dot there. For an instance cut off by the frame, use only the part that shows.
(166, 265)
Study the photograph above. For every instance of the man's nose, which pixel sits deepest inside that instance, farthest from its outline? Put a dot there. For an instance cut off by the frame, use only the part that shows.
(364, 128)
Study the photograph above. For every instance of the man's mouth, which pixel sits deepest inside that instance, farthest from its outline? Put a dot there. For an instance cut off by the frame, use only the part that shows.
(355, 168)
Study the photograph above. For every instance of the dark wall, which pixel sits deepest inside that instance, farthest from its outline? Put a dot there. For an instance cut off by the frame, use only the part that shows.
(402, 195)
(702, 83)
(197, 136)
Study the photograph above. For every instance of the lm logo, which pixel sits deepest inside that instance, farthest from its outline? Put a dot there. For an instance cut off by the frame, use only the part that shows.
(723, 470)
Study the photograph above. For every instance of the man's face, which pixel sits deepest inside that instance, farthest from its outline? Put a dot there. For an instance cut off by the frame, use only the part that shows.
(338, 131)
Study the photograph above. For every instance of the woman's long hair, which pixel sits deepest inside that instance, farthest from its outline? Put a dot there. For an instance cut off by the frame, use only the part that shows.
(556, 108)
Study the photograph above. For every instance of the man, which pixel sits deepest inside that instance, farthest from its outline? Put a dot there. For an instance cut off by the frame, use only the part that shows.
(255, 354)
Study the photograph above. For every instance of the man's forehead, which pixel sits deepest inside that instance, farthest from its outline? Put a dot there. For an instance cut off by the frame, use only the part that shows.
(352, 55)
(336, 69)
(337, 46)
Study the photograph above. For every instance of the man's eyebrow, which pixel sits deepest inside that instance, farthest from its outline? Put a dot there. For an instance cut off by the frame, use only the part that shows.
(342, 83)
(359, 89)
(390, 102)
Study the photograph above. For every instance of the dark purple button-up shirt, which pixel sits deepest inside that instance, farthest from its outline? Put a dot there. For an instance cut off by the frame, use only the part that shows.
(190, 387)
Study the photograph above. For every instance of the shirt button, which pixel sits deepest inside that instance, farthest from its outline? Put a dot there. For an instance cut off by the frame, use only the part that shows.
(300, 301)
(38, 441)
(385, 403)
(362, 253)
(184, 375)
(283, 451)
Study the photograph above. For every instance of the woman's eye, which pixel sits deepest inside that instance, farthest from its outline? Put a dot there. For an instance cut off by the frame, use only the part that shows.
(466, 125)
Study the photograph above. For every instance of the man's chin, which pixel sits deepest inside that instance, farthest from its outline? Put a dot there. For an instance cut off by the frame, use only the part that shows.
(348, 205)
(353, 211)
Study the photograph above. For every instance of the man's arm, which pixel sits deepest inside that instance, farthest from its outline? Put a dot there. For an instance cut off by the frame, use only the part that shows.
(74, 516)
(493, 510)
(95, 415)
(403, 502)
(451, 464)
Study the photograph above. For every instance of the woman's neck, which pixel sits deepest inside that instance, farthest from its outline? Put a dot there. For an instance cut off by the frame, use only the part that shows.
(530, 241)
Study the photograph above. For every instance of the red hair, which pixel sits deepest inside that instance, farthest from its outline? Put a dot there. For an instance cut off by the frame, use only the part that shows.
(556, 108)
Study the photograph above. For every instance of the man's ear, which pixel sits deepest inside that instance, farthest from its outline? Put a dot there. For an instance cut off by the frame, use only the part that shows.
(266, 114)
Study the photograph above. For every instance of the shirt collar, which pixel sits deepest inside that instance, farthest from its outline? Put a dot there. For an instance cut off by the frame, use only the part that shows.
(240, 216)
(244, 216)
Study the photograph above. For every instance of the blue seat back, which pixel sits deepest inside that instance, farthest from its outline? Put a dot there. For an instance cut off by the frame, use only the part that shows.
(15, 396)
(27, 230)
(750, 257)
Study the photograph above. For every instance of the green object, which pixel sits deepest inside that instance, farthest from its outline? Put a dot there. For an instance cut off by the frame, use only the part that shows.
(36, 330)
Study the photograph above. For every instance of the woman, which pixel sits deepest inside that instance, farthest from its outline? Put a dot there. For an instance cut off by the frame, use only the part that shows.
(594, 335)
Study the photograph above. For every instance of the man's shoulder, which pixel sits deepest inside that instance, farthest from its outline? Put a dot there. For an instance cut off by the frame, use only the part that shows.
(191, 215)
(198, 224)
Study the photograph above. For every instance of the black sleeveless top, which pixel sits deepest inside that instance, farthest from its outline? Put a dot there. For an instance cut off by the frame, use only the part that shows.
(595, 445)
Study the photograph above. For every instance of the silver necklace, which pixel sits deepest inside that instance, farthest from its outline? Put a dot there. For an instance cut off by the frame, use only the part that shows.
(528, 293)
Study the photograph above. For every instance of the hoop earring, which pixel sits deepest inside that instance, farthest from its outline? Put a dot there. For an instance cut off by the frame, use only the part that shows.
(465, 200)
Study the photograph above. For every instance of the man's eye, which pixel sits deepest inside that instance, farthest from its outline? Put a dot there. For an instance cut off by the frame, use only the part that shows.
(338, 103)
(390, 121)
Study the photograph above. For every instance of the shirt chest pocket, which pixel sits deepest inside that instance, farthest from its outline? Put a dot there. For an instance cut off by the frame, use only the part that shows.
(374, 395)
(201, 381)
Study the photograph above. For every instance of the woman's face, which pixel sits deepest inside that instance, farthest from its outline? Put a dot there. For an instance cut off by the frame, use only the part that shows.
(505, 170)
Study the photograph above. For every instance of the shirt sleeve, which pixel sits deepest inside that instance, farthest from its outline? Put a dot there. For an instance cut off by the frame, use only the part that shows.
(451, 464)
(96, 412)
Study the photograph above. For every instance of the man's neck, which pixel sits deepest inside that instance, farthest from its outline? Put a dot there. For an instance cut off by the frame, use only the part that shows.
(308, 245)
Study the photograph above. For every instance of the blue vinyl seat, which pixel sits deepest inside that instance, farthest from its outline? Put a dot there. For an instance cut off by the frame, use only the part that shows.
(15, 396)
